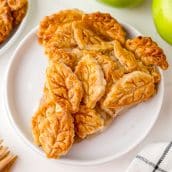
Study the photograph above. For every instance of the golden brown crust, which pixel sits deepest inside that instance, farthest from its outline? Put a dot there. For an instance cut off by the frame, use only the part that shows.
(61, 55)
(155, 74)
(87, 39)
(19, 14)
(62, 38)
(53, 129)
(49, 24)
(110, 68)
(152, 70)
(91, 75)
(5, 23)
(148, 51)
(10, 18)
(125, 57)
(132, 88)
(16, 4)
(87, 121)
(63, 83)
(105, 25)
(3, 3)
(108, 118)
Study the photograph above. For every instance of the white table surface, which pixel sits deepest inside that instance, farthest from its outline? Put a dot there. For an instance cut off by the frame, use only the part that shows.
(141, 19)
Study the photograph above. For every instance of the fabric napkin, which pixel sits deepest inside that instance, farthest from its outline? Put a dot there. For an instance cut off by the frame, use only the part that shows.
(156, 157)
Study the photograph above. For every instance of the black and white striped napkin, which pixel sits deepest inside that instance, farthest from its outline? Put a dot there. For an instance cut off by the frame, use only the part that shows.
(156, 157)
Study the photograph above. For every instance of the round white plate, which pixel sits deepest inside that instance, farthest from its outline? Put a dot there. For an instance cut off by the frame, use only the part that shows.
(23, 90)
(16, 32)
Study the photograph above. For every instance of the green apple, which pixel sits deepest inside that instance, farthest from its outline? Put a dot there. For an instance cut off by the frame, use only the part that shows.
(122, 3)
(162, 15)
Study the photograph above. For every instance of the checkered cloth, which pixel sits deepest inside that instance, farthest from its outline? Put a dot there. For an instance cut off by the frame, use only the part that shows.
(154, 158)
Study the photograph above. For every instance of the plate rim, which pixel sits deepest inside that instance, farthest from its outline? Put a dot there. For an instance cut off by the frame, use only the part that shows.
(19, 30)
(69, 161)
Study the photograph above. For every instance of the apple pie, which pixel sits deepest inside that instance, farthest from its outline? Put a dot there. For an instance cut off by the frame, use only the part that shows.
(6, 23)
(12, 13)
(94, 71)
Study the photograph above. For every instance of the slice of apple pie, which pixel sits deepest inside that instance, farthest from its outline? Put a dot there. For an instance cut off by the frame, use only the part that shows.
(94, 72)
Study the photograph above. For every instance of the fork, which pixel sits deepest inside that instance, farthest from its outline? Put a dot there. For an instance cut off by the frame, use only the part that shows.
(6, 158)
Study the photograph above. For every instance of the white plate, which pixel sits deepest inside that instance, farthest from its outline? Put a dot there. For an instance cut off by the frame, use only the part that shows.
(16, 32)
(23, 90)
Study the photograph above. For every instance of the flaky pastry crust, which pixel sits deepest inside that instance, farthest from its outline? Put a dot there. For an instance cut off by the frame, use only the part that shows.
(3, 3)
(62, 38)
(19, 14)
(49, 24)
(6, 23)
(88, 40)
(60, 55)
(148, 51)
(91, 75)
(53, 129)
(131, 89)
(16, 4)
(87, 121)
(105, 25)
(63, 83)
(125, 57)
